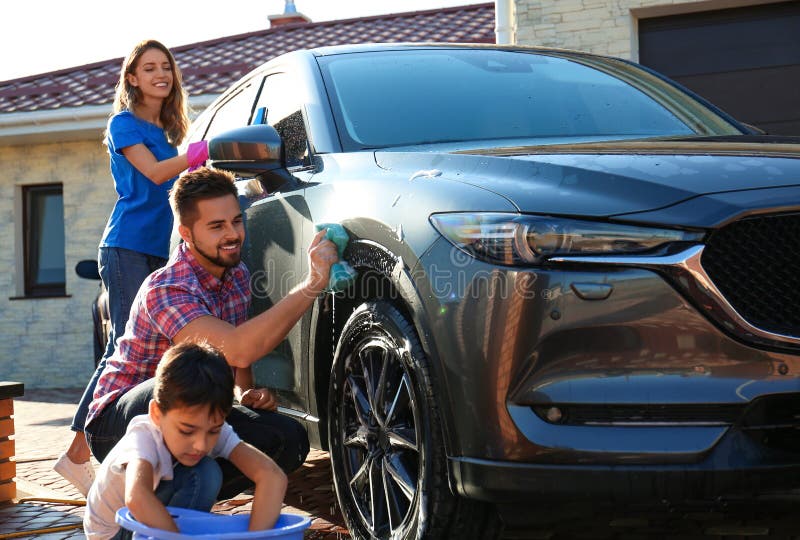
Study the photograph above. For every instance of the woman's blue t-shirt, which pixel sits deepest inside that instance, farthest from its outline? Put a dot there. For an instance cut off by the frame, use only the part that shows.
(142, 219)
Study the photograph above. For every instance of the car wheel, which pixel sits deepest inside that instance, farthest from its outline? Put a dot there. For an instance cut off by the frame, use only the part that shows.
(385, 436)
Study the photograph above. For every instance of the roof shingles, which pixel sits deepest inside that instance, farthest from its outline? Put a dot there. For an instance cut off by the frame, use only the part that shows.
(209, 67)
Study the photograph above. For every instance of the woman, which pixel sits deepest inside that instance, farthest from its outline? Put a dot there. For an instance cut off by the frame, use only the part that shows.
(148, 123)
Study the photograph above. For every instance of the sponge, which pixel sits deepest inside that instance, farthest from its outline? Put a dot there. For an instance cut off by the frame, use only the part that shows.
(342, 274)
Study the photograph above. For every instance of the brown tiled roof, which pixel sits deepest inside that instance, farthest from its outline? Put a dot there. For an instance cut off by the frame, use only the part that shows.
(211, 66)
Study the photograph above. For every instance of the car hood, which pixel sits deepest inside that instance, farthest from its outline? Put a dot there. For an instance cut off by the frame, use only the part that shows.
(609, 178)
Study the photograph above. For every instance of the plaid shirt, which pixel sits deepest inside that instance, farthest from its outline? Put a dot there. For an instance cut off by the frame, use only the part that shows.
(169, 299)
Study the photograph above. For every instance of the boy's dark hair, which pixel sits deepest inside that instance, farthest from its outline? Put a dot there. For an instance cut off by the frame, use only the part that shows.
(191, 374)
(200, 184)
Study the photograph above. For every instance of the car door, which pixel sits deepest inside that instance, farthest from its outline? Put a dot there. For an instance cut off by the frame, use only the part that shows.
(275, 251)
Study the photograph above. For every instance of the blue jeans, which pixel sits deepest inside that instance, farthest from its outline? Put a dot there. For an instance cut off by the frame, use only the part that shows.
(122, 272)
(195, 488)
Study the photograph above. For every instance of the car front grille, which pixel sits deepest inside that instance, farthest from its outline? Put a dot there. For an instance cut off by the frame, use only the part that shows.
(755, 264)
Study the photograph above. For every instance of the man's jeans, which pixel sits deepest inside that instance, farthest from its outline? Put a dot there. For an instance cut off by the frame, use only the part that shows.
(122, 272)
(195, 488)
(282, 438)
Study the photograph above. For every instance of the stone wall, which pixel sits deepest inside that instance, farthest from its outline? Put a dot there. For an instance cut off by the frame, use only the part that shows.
(599, 26)
(47, 343)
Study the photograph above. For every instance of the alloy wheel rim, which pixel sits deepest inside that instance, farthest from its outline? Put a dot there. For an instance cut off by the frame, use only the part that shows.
(380, 436)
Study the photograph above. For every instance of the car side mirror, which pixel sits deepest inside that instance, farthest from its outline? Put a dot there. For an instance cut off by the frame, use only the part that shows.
(249, 150)
(87, 269)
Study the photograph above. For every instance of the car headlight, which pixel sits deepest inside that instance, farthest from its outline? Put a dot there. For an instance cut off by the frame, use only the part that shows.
(517, 239)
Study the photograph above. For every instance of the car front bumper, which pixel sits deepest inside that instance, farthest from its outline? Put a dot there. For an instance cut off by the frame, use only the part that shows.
(736, 467)
(508, 343)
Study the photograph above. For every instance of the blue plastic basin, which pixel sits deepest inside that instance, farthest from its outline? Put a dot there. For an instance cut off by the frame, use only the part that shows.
(198, 525)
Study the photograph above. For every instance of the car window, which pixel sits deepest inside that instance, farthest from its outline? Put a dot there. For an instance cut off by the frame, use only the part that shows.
(279, 100)
(235, 112)
(198, 127)
(396, 98)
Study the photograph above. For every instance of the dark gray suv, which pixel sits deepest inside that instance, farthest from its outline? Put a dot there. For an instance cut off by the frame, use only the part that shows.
(575, 279)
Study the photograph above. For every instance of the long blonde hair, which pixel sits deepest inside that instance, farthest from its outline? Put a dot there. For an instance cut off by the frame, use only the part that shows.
(174, 111)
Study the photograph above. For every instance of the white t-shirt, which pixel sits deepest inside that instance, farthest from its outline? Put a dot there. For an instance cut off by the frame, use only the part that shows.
(142, 440)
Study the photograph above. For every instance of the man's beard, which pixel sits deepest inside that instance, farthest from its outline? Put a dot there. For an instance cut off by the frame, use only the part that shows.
(219, 260)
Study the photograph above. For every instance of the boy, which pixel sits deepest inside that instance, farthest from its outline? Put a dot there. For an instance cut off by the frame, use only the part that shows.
(166, 456)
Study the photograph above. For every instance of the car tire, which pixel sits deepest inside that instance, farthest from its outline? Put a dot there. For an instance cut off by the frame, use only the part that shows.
(101, 320)
(385, 437)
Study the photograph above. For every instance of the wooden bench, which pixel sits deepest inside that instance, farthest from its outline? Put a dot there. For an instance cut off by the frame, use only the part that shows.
(8, 467)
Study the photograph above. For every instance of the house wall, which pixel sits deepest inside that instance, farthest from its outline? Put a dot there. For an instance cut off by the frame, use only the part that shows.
(600, 26)
(47, 343)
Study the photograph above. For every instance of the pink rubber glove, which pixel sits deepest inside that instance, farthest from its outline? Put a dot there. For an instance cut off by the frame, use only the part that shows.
(197, 154)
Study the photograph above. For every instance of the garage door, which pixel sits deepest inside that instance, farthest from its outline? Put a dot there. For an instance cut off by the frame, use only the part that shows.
(744, 60)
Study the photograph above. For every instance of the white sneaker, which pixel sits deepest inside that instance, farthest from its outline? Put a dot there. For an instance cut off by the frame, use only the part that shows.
(80, 475)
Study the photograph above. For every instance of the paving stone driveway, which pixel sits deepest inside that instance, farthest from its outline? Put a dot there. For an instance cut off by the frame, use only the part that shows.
(42, 418)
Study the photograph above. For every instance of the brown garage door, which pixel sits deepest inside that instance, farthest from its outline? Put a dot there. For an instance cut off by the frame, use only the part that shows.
(744, 60)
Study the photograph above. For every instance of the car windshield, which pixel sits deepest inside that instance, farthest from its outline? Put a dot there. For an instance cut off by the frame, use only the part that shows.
(399, 98)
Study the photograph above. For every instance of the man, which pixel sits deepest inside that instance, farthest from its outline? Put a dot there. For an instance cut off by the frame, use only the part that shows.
(202, 294)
